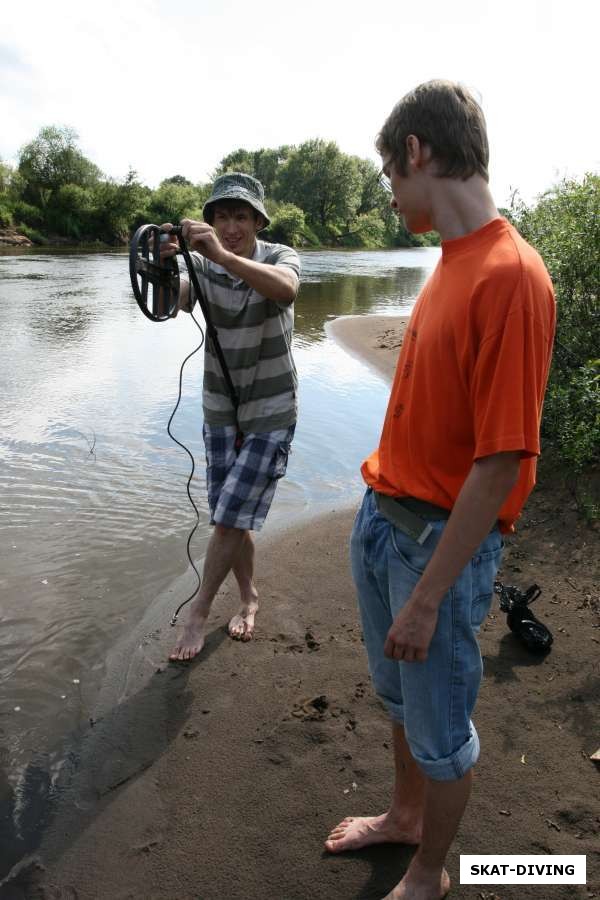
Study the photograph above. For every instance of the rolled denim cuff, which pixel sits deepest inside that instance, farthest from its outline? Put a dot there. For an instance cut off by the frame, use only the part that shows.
(453, 767)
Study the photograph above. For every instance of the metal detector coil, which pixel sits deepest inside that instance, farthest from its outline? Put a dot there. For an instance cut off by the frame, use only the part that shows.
(147, 271)
(164, 278)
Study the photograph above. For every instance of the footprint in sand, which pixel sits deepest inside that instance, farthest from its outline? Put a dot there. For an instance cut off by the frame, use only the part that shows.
(313, 709)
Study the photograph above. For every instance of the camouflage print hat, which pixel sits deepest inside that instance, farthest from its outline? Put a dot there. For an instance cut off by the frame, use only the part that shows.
(238, 186)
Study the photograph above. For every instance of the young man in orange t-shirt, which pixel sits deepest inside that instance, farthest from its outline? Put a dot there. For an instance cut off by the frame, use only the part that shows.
(455, 463)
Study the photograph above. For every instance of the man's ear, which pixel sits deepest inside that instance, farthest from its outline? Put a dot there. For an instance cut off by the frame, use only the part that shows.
(260, 223)
(413, 151)
(418, 153)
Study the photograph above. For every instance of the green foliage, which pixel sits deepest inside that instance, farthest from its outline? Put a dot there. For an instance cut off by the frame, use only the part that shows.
(263, 164)
(33, 234)
(430, 239)
(572, 414)
(322, 181)
(316, 194)
(339, 195)
(173, 201)
(51, 161)
(405, 238)
(5, 177)
(288, 223)
(309, 236)
(564, 226)
(368, 230)
(239, 161)
(177, 179)
(372, 195)
(119, 207)
(10, 188)
(6, 214)
(69, 214)
(27, 214)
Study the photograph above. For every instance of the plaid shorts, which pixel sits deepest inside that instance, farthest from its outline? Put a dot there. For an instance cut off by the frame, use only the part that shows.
(241, 487)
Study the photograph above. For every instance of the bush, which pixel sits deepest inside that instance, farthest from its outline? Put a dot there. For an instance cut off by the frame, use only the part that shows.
(287, 223)
(564, 226)
(26, 214)
(33, 234)
(6, 217)
(118, 208)
(430, 239)
(368, 230)
(572, 414)
(69, 211)
(309, 238)
(172, 202)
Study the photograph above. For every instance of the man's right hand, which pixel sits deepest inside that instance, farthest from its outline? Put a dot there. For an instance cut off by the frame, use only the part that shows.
(170, 246)
(168, 249)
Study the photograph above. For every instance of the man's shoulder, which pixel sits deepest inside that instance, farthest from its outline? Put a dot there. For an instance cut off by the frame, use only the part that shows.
(268, 247)
(278, 254)
(512, 280)
(513, 261)
(518, 252)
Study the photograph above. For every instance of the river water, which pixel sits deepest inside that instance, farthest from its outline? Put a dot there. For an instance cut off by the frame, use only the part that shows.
(94, 516)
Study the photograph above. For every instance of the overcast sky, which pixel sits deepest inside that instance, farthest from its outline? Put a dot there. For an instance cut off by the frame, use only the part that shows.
(171, 87)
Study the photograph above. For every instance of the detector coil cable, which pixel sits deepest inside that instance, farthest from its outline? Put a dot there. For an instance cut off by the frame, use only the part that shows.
(191, 475)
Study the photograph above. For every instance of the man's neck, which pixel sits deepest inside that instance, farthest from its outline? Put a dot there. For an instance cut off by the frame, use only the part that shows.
(251, 252)
(461, 207)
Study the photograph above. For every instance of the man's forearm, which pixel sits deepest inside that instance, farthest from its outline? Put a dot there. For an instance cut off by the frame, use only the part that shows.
(476, 509)
(276, 283)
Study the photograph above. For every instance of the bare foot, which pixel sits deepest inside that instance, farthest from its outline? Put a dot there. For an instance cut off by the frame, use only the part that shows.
(421, 884)
(355, 833)
(241, 626)
(191, 641)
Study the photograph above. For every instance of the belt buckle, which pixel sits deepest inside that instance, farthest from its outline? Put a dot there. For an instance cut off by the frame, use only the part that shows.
(424, 534)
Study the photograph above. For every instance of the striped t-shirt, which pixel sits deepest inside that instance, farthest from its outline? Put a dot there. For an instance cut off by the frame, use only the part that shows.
(255, 335)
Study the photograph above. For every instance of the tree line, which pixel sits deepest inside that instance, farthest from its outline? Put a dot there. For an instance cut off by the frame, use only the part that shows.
(316, 196)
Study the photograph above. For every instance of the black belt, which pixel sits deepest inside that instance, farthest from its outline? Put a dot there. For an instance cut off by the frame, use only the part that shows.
(410, 514)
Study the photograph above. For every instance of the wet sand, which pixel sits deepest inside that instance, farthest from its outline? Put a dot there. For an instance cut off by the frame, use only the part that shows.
(222, 779)
(375, 340)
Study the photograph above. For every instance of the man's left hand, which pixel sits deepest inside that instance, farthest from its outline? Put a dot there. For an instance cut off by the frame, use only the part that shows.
(203, 237)
(411, 632)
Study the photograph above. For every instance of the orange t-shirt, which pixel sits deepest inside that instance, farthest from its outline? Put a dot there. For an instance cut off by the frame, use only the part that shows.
(472, 371)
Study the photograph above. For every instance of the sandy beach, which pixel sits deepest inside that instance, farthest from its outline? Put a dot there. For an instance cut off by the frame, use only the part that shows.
(222, 779)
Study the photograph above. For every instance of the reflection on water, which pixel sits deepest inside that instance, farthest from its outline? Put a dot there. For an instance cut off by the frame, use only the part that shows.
(353, 295)
(94, 517)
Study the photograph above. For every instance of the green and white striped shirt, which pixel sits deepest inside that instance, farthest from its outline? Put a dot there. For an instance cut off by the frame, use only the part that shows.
(256, 338)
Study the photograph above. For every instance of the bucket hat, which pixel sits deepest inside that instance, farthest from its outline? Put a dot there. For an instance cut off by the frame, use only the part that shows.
(238, 186)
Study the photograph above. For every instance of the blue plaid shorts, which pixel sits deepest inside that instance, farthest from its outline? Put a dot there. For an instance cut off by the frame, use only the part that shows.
(241, 486)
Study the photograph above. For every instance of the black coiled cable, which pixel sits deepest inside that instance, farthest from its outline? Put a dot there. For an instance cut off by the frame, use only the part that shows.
(189, 482)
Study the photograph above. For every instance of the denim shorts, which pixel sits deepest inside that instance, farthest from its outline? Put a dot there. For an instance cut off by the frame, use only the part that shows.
(241, 485)
(433, 699)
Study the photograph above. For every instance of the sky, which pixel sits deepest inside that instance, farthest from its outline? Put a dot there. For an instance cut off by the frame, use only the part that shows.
(172, 87)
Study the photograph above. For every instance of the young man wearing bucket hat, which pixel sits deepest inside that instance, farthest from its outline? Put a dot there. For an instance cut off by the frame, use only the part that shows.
(250, 286)
(454, 466)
